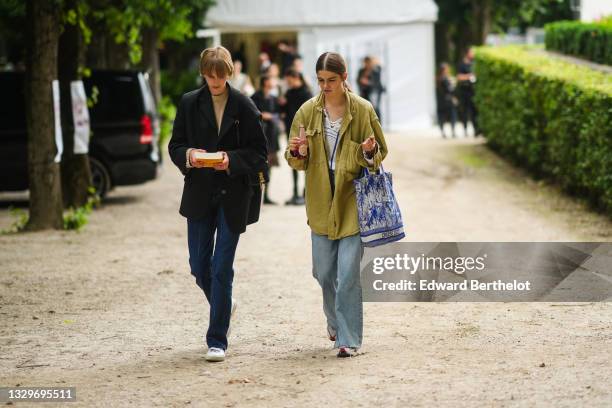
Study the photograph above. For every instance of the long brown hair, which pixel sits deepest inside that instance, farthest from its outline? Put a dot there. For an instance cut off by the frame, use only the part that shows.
(332, 62)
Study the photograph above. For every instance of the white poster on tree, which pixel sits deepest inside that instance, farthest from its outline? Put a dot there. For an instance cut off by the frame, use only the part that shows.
(80, 115)
(59, 142)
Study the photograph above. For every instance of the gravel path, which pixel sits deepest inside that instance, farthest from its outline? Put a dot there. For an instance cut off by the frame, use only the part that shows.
(114, 311)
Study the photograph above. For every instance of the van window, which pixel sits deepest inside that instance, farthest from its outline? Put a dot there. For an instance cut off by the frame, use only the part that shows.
(119, 98)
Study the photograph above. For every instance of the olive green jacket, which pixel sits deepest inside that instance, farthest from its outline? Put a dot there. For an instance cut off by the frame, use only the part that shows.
(335, 217)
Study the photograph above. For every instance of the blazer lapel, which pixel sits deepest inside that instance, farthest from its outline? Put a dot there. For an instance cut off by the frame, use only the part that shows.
(205, 106)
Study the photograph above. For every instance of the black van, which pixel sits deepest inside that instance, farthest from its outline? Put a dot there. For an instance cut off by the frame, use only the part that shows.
(123, 148)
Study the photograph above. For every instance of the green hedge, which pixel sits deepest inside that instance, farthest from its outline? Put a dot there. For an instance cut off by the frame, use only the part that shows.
(550, 116)
(592, 41)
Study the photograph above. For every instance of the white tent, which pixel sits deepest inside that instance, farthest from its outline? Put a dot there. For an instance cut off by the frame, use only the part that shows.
(399, 33)
(592, 10)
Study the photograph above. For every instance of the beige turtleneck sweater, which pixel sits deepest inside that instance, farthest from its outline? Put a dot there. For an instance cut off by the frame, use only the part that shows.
(219, 103)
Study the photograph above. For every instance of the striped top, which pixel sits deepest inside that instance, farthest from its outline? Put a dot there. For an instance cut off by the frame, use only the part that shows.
(332, 133)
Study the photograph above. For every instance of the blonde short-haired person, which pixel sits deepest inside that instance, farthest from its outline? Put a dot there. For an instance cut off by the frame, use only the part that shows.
(343, 135)
(221, 200)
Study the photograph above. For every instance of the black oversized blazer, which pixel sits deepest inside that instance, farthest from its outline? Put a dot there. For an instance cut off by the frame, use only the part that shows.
(241, 136)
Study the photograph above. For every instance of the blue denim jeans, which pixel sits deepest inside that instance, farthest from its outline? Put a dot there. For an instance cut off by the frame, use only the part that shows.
(214, 271)
(335, 265)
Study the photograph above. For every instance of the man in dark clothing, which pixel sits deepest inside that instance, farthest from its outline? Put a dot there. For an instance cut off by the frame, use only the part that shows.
(288, 55)
(269, 108)
(296, 95)
(364, 78)
(465, 91)
(370, 83)
(218, 199)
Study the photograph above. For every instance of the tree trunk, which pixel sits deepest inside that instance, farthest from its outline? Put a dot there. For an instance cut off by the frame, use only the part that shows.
(482, 20)
(43, 28)
(464, 39)
(442, 43)
(103, 52)
(117, 55)
(150, 60)
(96, 52)
(76, 175)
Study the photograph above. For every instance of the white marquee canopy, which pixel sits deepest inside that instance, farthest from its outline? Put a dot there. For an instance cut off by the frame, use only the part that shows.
(399, 33)
(291, 13)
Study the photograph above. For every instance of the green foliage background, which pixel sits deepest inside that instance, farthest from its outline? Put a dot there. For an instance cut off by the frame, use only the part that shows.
(552, 117)
(592, 41)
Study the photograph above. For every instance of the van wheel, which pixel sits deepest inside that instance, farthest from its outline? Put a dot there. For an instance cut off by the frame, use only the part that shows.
(99, 177)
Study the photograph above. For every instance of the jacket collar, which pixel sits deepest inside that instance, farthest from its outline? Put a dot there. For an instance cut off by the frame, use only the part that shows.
(205, 106)
(348, 114)
(320, 102)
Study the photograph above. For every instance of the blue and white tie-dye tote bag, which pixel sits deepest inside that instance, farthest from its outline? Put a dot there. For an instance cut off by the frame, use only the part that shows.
(380, 220)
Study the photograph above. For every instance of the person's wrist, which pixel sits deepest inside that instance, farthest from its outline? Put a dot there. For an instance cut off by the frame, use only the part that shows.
(188, 163)
(370, 154)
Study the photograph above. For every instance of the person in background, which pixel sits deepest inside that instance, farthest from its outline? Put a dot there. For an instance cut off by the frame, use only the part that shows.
(297, 94)
(287, 54)
(264, 62)
(280, 87)
(445, 99)
(240, 80)
(364, 78)
(465, 91)
(267, 104)
(240, 55)
(369, 82)
(377, 87)
(298, 63)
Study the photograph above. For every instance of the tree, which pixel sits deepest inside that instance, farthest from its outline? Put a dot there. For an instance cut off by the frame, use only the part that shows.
(12, 21)
(128, 27)
(481, 20)
(116, 27)
(42, 34)
(462, 23)
(166, 20)
(453, 33)
(129, 32)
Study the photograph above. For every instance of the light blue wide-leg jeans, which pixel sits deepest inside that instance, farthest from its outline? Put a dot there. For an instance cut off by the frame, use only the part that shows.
(335, 265)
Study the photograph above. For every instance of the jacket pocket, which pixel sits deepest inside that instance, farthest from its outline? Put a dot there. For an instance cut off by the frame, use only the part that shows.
(316, 152)
(351, 165)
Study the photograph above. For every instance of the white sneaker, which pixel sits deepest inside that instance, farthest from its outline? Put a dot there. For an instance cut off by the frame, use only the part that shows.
(234, 306)
(215, 354)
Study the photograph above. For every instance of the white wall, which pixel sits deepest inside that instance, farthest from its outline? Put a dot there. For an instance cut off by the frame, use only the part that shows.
(591, 10)
(412, 62)
(407, 55)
